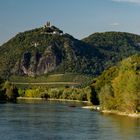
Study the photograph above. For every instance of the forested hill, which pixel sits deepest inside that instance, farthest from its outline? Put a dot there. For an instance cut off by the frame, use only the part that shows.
(114, 46)
(48, 50)
(44, 50)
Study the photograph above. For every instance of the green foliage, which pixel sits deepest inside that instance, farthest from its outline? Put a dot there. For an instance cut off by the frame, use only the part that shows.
(71, 54)
(10, 91)
(104, 79)
(127, 82)
(122, 92)
(54, 93)
(75, 80)
(106, 97)
(21, 92)
(34, 93)
(114, 46)
(89, 56)
(81, 94)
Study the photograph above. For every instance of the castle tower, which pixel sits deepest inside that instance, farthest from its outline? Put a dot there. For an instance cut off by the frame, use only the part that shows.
(48, 24)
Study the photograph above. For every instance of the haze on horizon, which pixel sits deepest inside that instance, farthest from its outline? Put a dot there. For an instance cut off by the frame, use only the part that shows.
(79, 18)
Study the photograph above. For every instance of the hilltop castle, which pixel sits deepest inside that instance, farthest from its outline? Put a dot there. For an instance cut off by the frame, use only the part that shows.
(49, 29)
(48, 24)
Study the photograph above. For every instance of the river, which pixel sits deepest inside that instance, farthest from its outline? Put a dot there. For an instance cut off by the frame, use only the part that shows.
(49, 120)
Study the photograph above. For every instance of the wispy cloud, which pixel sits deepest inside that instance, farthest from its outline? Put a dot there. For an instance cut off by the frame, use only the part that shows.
(114, 24)
(128, 1)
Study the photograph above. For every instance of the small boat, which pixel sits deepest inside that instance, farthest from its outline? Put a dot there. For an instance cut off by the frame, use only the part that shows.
(72, 106)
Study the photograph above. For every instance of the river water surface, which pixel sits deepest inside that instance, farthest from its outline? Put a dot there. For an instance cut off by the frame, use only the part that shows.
(42, 120)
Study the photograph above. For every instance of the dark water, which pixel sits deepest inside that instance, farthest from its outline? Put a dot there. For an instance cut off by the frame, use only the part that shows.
(58, 121)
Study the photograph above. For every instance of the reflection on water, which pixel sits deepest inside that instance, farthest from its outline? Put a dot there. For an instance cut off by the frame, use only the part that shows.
(43, 120)
(128, 127)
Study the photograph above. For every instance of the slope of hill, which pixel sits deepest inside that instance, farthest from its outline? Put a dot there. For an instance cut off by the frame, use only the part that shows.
(47, 50)
(52, 80)
(114, 46)
(44, 50)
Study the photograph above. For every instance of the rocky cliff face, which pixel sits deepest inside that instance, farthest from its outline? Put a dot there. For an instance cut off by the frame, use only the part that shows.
(37, 63)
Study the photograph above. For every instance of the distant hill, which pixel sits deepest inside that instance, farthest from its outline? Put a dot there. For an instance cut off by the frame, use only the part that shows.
(114, 46)
(47, 50)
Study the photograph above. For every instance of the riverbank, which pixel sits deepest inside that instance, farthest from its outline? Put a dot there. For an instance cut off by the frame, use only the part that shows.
(51, 99)
(135, 115)
(87, 106)
(92, 107)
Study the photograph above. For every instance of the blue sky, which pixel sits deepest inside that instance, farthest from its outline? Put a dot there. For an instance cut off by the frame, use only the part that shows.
(79, 18)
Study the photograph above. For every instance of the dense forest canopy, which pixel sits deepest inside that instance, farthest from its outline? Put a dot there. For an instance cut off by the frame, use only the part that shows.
(118, 87)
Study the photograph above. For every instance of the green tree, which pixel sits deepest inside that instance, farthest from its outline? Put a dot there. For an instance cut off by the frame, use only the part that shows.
(122, 93)
(106, 97)
(11, 91)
